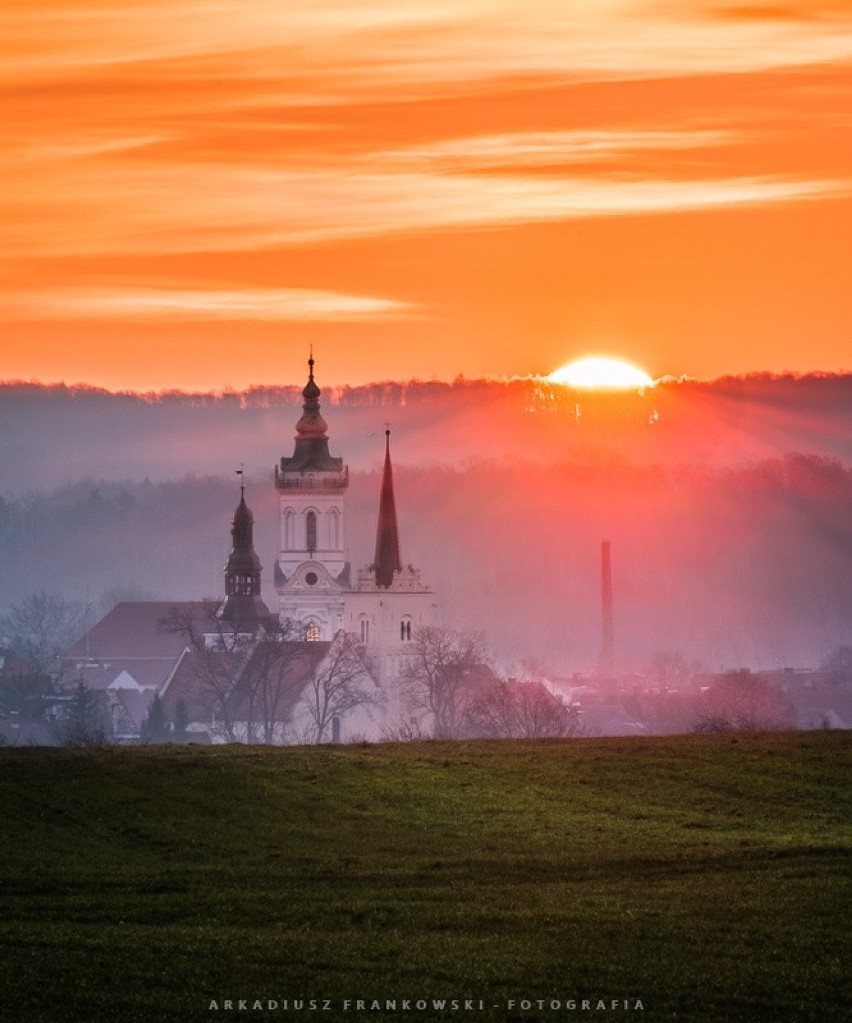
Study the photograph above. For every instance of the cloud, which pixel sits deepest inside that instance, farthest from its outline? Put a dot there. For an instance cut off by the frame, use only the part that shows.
(809, 11)
(544, 148)
(185, 208)
(345, 45)
(176, 304)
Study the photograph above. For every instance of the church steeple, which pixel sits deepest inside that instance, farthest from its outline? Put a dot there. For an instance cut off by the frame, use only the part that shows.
(243, 603)
(311, 571)
(387, 560)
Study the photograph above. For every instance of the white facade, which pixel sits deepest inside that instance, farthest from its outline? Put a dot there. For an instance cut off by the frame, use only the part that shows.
(386, 619)
(388, 603)
(312, 573)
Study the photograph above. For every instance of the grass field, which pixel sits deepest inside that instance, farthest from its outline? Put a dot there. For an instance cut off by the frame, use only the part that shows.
(700, 876)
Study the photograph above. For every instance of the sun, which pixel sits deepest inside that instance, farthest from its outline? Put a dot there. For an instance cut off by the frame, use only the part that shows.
(603, 373)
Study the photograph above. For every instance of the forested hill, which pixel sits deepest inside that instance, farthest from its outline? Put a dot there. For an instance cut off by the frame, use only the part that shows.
(55, 435)
(728, 505)
(732, 566)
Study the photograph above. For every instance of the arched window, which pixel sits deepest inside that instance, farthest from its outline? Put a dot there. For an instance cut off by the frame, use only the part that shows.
(289, 529)
(334, 529)
(312, 632)
(365, 629)
(311, 531)
(405, 630)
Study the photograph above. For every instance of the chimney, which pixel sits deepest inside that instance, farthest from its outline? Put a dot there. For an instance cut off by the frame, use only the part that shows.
(606, 609)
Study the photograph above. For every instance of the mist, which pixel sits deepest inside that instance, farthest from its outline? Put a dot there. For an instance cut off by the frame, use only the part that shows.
(728, 506)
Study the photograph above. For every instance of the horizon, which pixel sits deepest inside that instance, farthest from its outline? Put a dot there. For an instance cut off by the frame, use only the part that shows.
(334, 387)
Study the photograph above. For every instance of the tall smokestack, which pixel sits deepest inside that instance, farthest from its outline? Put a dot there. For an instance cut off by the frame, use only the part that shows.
(606, 608)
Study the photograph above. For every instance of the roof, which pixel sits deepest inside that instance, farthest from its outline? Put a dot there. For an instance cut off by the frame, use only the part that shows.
(387, 559)
(133, 630)
(311, 449)
(201, 678)
(132, 644)
(122, 673)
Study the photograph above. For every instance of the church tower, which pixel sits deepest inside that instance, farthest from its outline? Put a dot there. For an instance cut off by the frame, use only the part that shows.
(243, 608)
(387, 560)
(389, 603)
(311, 572)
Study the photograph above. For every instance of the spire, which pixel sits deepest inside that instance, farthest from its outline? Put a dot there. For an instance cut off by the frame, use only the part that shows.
(243, 602)
(387, 560)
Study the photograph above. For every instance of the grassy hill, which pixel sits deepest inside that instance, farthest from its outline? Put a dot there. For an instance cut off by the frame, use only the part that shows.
(702, 876)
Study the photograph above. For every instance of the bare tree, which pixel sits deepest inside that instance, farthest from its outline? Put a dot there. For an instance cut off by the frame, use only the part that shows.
(41, 627)
(247, 679)
(670, 669)
(439, 679)
(743, 702)
(217, 658)
(338, 683)
(269, 680)
(515, 710)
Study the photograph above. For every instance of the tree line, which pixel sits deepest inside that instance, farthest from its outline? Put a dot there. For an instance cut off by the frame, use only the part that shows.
(745, 566)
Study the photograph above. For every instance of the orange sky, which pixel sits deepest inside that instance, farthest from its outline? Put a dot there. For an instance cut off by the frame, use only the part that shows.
(195, 190)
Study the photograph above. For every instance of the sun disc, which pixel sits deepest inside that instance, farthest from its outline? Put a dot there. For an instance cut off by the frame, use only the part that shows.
(601, 372)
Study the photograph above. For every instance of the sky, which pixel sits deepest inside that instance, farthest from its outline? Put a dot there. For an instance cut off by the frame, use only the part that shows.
(196, 191)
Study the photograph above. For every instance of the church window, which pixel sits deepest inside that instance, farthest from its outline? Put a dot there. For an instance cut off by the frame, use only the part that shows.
(289, 529)
(312, 632)
(311, 578)
(311, 531)
(365, 630)
(334, 529)
(405, 630)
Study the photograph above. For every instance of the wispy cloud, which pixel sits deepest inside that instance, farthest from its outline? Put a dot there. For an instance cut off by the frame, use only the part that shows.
(549, 148)
(184, 209)
(182, 138)
(176, 304)
(165, 126)
(369, 43)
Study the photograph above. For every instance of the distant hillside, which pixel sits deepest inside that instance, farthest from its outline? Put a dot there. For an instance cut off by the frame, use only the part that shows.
(54, 435)
(704, 878)
(728, 506)
(746, 566)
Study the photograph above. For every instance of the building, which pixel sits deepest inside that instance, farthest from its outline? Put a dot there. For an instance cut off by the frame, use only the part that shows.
(234, 671)
(387, 601)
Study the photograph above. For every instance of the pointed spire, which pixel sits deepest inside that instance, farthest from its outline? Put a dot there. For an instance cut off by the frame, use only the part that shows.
(387, 560)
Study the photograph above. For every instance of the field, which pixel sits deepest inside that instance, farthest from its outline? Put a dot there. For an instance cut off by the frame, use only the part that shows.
(684, 879)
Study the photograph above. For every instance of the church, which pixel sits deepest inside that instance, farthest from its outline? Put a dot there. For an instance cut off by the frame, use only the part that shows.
(216, 662)
(386, 602)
